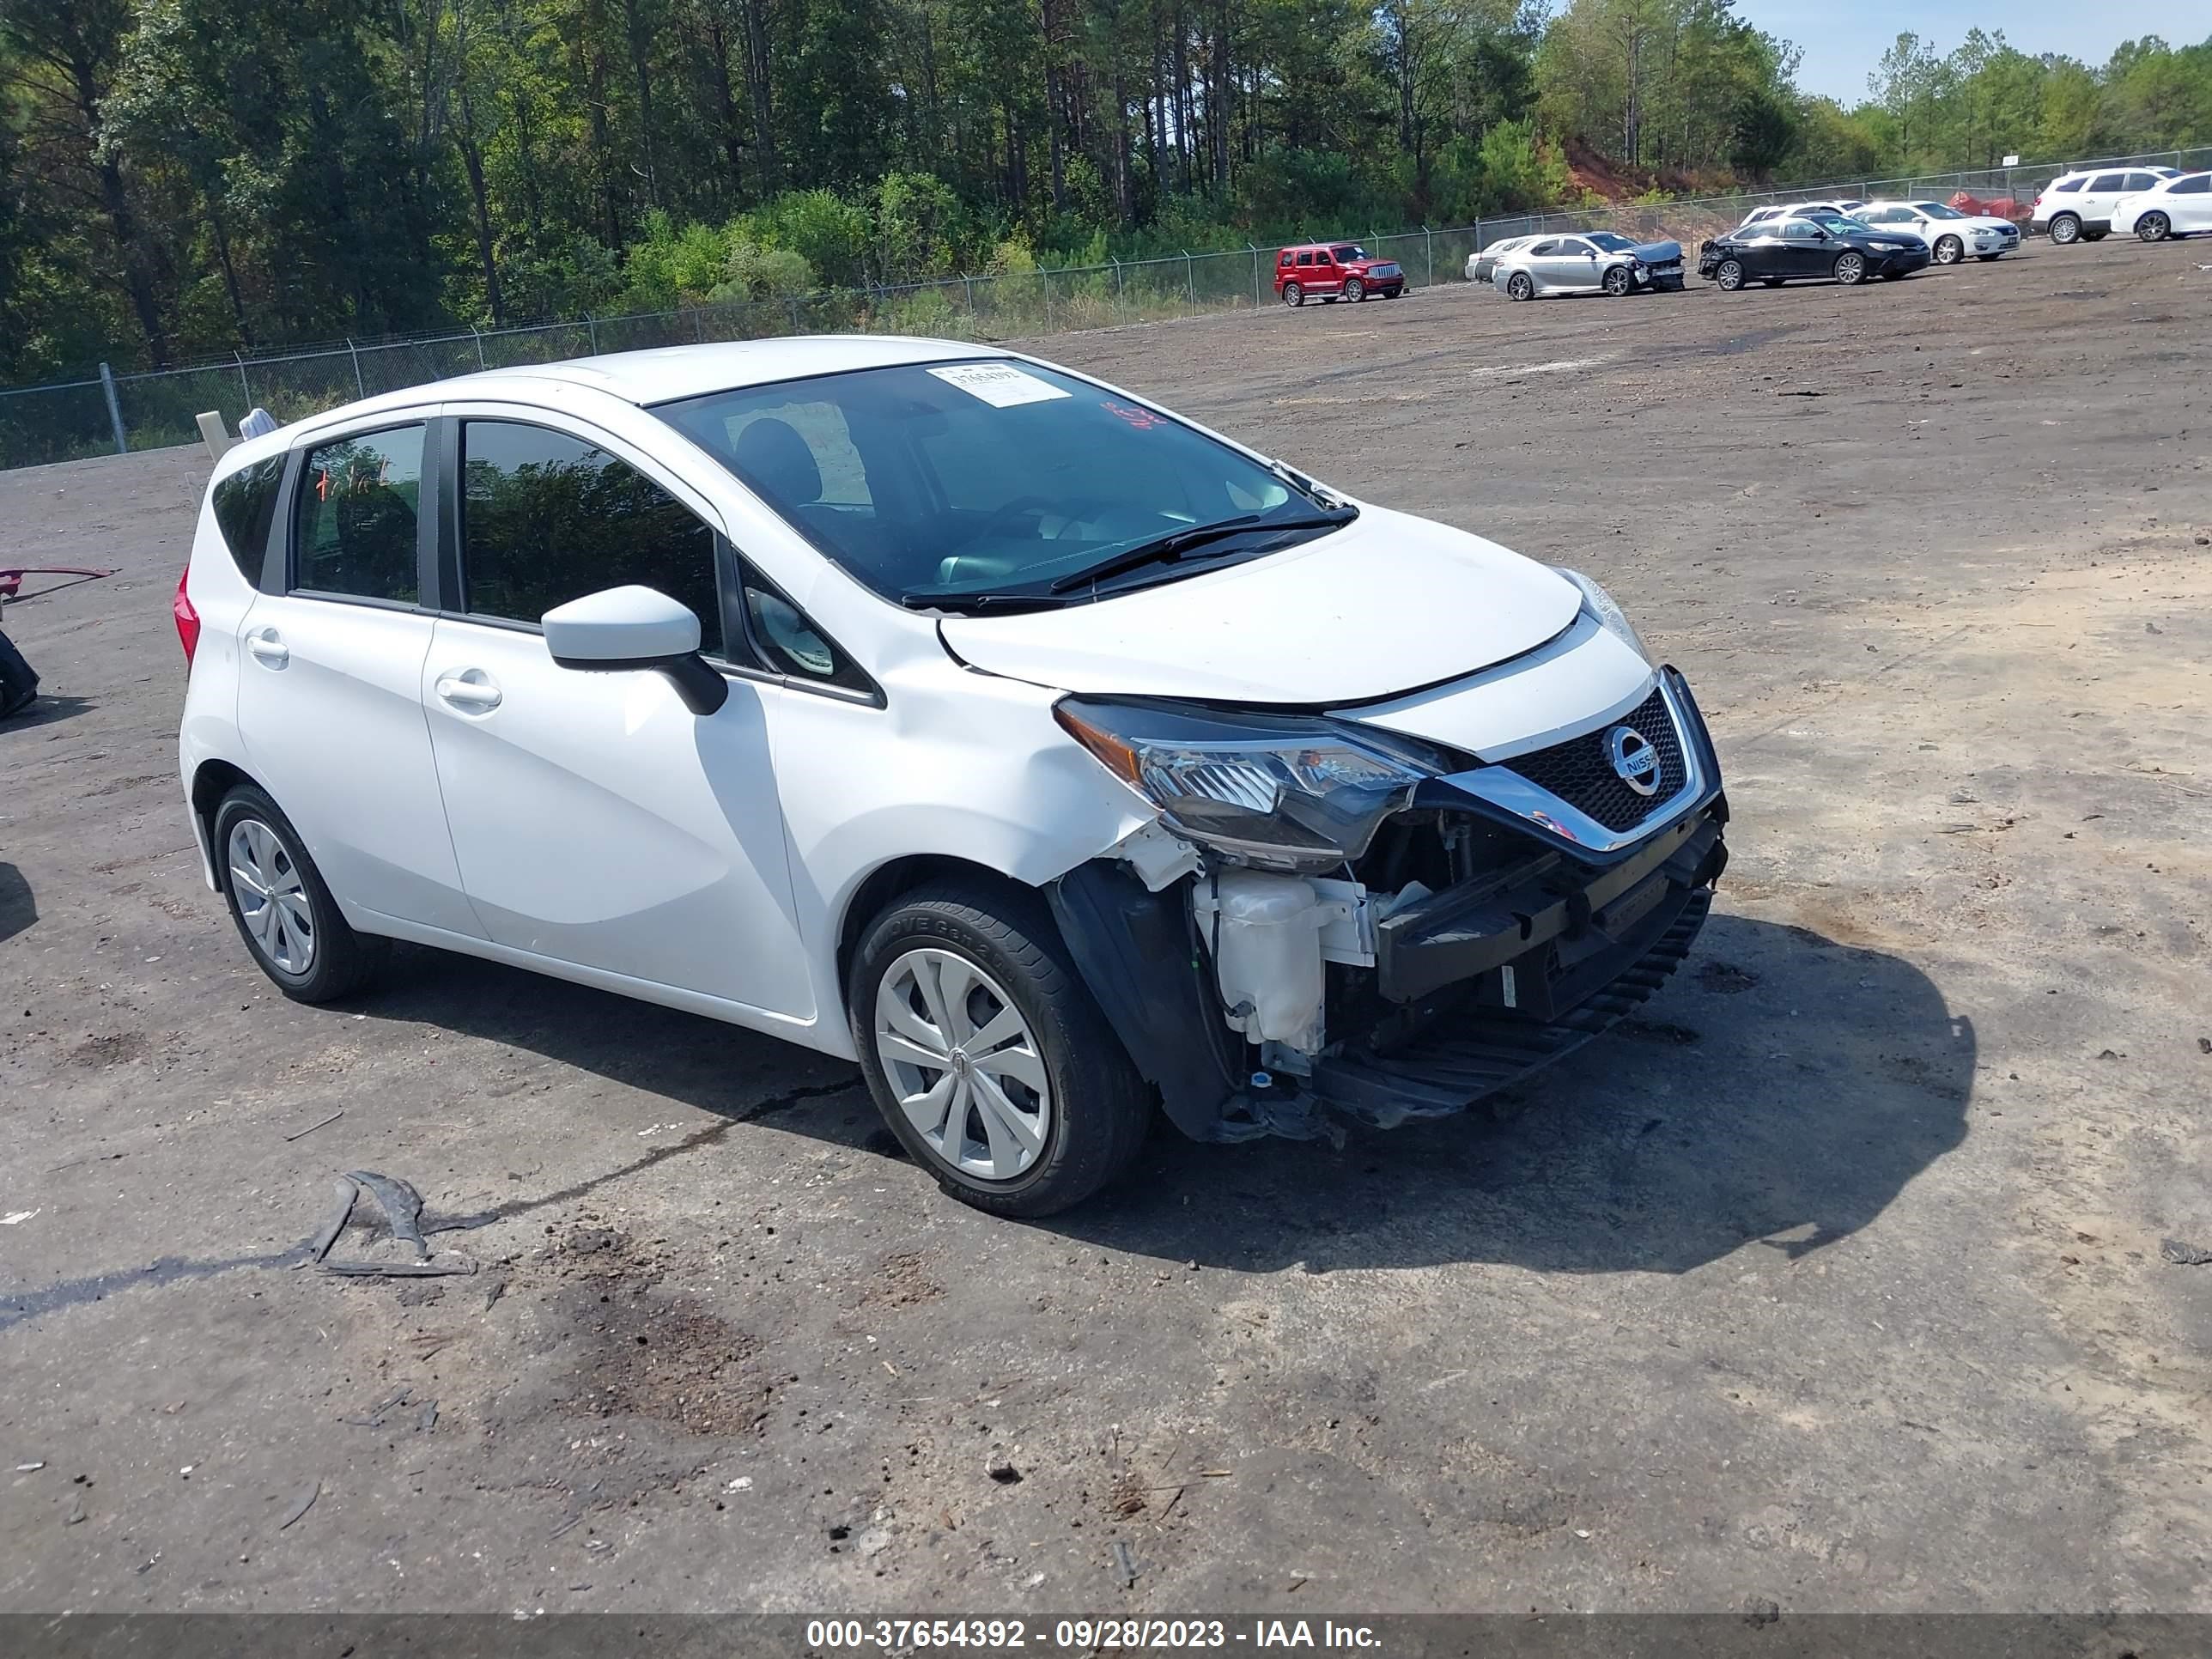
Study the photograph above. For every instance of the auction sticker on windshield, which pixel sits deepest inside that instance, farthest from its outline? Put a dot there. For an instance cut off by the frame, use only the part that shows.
(1000, 384)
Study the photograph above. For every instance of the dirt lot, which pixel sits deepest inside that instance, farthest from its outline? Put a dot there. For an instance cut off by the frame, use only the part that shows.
(1835, 1282)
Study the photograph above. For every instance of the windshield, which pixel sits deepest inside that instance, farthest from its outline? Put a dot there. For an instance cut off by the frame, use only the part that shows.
(1348, 251)
(1937, 210)
(944, 482)
(1837, 224)
(1611, 242)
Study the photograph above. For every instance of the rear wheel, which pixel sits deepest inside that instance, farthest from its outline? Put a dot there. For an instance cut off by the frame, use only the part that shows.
(1518, 286)
(1728, 274)
(284, 912)
(2065, 229)
(1618, 281)
(1949, 250)
(1850, 269)
(1293, 294)
(987, 1055)
(1354, 290)
(2154, 227)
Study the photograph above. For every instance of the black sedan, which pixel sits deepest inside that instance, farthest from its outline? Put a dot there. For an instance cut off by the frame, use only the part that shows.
(1778, 251)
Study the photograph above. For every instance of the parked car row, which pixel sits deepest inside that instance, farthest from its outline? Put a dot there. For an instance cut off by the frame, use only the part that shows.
(2082, 206)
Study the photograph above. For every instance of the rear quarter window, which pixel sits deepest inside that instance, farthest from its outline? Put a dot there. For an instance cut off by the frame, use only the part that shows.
(2067, 186)
(245, 507)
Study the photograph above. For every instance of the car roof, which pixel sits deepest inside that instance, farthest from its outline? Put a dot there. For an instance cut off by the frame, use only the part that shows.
(664, 373)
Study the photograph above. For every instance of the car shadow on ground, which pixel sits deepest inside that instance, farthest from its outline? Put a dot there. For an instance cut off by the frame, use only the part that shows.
(19, 907)
(1783, 1088)
(48, 710)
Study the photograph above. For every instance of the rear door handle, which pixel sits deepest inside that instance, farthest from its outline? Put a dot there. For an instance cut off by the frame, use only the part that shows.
(268, 648)
(470, 689)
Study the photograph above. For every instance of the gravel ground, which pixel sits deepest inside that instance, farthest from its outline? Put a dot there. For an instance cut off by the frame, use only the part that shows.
(1834, 1283)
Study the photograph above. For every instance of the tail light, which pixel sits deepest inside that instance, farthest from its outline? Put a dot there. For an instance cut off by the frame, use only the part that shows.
(188, 620)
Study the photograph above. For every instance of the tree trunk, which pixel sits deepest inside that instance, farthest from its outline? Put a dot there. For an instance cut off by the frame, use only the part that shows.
(230, 271)
(1217, 100)
(726, 102)
(640, 36)
(758, 88)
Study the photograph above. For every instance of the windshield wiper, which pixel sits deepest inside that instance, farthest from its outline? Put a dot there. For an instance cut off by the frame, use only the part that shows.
(987, 601)
(1173, 546)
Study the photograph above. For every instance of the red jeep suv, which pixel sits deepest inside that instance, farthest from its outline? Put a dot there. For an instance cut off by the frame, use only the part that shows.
(1330, 271)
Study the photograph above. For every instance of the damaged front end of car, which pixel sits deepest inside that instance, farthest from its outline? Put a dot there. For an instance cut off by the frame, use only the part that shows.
(1327, 922)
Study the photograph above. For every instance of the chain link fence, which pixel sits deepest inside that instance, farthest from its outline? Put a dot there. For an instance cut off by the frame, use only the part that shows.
(154, 410)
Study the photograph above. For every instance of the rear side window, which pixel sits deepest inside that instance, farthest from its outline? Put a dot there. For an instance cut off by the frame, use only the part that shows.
(547, 518)
(1305, 258)
(358, 513)
(2067, 186)
(245, 507)
(2106, 181)
(2196, 184)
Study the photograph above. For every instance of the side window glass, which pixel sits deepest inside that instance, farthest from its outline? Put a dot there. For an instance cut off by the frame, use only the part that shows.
(1305, 258)
(245, 507)
(359, 498)
(2067, 186)
(547, 518)
(2105, 181)
(787, 643)
(2140, 181)
(1285, 261)
(2199, 185)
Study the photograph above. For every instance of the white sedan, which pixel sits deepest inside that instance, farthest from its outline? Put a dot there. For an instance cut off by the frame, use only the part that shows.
(2180, 206)
(1950, 234)
(1483, 261)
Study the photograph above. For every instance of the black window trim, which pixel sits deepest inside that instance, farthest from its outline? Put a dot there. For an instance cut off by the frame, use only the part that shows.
(426, 529)
(729, 563)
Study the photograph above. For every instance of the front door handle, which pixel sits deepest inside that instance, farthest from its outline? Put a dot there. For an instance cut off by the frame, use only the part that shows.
(267, 648)
(470, 689)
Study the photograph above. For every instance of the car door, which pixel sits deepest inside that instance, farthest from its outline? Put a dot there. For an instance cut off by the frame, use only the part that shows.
(329, 699)
(1762, 252)
(1581, 268)
(597, 821)
(2097, 197)
(1326, 278)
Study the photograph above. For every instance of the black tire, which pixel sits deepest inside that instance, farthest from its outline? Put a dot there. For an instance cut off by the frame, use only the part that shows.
(1948, 250)
(1520, 286)
(339, 961)
(1354, 290)
(1293, 294)
(1850, 269)
(2154, 227)
(1101, 1107)
(2065, 230)
(1728, 274)
(1618, 281)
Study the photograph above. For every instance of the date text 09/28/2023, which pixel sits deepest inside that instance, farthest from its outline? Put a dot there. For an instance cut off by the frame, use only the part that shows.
(1084, 1635)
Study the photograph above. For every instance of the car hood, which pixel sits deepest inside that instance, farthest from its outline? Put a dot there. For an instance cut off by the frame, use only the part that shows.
(1658, 253)
(1389, 604)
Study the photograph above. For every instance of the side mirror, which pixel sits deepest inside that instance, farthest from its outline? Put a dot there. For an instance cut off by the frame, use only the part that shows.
(620, 629)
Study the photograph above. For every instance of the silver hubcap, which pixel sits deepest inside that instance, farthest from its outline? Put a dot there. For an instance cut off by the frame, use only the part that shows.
(1848, 268)
(271, 897)
(964, 1064)
(2064, 231)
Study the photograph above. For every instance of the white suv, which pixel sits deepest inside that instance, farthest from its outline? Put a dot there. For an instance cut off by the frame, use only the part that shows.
(946, 711)
(2077, 207)
(1950, 234)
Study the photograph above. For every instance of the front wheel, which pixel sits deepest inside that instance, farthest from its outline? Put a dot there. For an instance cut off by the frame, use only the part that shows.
(1518, 286)
(1949, 250)
(1850, 269)
(987, 1055)
(1293, 294)
(1729, 275)
(1618, 281)
(284, 912)
(2154, 227)
(1354, 290)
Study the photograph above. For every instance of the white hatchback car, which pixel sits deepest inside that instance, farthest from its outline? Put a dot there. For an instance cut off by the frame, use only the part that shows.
(1950, 234)
(946, 711)
(2179, 206)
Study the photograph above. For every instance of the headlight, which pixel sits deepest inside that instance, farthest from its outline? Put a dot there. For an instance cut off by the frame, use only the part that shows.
(1608, 616)
(1279, 793)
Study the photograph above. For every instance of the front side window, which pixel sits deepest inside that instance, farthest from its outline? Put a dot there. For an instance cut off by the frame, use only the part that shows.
(937, 484)
(245, 507)
(547, 518)
(2140, 181)
(359, 499)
